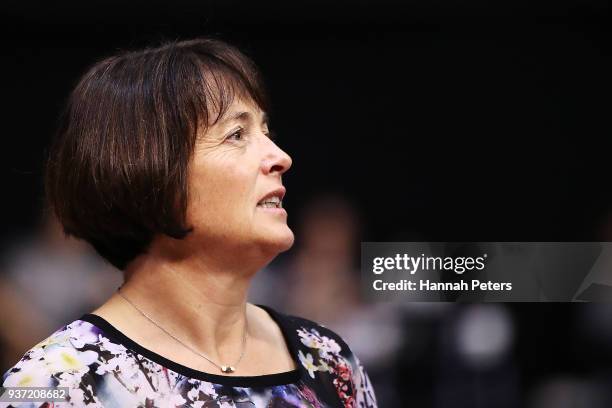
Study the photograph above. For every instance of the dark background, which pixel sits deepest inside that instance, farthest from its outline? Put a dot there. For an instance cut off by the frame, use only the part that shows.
(448, 120)
(439, 120)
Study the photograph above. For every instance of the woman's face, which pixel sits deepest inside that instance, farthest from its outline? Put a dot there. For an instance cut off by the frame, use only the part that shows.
(235, 185)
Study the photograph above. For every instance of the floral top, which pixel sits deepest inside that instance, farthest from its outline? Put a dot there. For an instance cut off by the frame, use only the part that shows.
(103, 368)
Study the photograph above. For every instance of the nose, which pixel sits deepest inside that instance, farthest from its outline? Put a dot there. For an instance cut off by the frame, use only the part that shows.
(275, 160)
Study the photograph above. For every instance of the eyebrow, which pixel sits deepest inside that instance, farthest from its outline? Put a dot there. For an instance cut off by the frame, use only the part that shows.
(243, 116)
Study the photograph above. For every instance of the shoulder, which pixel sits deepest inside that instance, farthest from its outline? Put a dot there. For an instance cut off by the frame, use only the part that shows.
(57, 353)
(326, 356)
(64, 359)
(312, 335)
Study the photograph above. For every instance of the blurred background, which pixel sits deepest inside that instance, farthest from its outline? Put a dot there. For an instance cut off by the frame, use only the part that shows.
(407, 121)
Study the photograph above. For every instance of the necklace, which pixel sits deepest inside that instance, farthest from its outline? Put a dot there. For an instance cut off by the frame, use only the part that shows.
(229, 368)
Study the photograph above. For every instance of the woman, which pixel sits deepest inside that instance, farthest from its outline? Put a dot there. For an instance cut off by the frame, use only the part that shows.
(165, 165)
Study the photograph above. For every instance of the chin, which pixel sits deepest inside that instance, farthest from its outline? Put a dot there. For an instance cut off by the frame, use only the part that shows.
(278, 241)
(286, 241)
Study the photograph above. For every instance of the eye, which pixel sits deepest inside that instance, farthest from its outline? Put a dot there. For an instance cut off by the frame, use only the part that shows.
(236, 135)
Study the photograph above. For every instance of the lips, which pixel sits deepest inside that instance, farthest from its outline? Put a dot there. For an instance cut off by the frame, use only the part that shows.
(273, 199)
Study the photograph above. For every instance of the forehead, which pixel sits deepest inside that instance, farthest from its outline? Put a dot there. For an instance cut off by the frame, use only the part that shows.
(243, 111)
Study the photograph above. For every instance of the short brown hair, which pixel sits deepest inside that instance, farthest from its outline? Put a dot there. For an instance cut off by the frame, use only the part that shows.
(116, 174)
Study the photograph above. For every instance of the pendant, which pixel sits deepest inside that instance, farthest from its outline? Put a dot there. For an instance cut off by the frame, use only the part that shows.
(228, 369)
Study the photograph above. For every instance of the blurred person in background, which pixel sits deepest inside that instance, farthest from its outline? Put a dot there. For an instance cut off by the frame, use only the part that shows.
(322, 270)
(48, 279)
(165, 165)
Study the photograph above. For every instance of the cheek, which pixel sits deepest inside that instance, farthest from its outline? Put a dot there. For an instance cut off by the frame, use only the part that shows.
(222, 198)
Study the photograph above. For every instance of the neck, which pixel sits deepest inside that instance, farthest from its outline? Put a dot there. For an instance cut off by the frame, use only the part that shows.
(201, 300)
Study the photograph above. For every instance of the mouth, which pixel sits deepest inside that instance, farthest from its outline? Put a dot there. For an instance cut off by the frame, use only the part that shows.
(273, 199)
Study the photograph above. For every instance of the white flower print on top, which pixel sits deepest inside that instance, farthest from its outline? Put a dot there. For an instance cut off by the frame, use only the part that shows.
(102, 368)
(307, 362)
